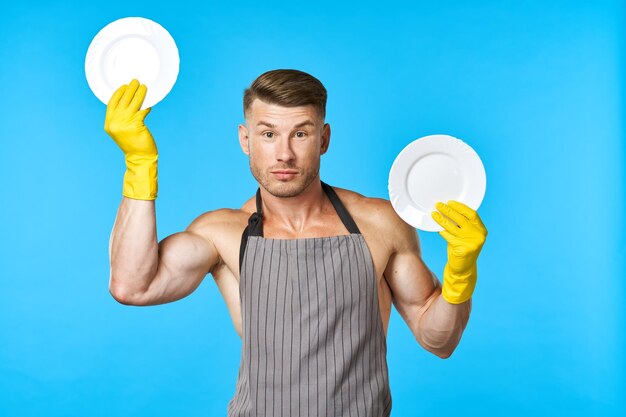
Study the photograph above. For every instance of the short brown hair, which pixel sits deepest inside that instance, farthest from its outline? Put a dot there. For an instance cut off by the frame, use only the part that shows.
(288, 88)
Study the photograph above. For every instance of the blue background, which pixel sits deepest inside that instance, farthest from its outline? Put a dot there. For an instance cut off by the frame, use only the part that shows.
(535, 87)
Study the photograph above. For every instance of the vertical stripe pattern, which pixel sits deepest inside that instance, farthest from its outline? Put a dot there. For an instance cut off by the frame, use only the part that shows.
(313, 341)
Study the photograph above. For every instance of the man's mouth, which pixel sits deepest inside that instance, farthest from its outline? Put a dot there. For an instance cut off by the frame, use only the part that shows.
(285, 174)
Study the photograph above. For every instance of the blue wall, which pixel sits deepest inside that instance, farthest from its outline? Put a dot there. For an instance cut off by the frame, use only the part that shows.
(536, 88)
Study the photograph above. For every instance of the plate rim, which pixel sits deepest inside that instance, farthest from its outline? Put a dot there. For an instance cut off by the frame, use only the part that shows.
(150, 31)
(406, 158)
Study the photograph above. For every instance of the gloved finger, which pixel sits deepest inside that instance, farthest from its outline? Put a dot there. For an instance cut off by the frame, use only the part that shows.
(478, 222)
(143, 113)
(457, 217)
(470, 213)
(448, 237)
(137, 101)
(115, 98)
(112, 105)
(128, 94)
(446, 223)
(465, 210)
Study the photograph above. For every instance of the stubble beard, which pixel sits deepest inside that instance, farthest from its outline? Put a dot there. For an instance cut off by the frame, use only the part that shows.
(285, 189)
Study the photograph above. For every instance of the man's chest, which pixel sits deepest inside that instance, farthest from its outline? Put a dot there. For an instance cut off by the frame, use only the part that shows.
(229, 243)
(227, 274)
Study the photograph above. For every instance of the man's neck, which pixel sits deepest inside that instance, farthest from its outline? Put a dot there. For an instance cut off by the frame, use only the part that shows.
(295, 214)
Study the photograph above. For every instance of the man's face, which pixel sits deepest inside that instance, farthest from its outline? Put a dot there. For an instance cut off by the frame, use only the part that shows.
(289, 139)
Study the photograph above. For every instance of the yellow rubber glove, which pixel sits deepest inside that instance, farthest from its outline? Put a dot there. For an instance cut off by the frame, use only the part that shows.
(466, 235)
(124, 122)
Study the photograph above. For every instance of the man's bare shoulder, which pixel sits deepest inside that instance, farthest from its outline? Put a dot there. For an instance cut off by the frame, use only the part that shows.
(378, 210)
(220, 221)
(222, 229)
(378, 215)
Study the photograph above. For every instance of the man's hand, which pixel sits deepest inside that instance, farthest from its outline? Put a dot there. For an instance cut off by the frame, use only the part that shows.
(465, 234)
(124, 122)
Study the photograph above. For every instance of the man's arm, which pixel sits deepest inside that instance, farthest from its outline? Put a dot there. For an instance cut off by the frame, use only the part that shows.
(144, 272)
(436, 324)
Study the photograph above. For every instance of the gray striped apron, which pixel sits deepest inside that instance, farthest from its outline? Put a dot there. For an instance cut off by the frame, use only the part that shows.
(313, 340)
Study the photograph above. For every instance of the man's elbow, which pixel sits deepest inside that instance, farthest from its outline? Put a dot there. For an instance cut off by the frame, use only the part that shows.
(123, 297)
(440, 351)
(444, 355)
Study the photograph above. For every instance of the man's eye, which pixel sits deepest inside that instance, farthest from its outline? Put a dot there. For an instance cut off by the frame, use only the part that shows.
(268, 134)
(301, 134)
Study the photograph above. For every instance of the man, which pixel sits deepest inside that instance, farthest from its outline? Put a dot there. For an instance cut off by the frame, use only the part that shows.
(308, 271)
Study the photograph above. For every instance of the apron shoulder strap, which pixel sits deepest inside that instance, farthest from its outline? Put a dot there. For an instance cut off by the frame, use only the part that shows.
(255, 221)
(343, 213)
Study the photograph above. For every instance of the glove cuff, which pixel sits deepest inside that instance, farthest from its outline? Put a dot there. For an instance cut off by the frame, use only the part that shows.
(458, 288)
(140, 178)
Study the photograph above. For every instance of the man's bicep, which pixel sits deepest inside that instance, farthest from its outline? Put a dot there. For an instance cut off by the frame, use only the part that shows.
(412, 283)
(185, 258)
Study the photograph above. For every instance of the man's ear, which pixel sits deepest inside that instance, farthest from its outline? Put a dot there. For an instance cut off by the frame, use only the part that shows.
(244, 140)
(325, 139)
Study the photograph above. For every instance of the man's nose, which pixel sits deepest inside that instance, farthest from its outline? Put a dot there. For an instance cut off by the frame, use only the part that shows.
(284, 151)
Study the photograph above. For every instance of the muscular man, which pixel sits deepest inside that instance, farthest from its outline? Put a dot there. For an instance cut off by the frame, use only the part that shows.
(308, 271)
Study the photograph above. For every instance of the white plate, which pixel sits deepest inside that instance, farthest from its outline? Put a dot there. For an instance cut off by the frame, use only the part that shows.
(132, 47)
(431, 169)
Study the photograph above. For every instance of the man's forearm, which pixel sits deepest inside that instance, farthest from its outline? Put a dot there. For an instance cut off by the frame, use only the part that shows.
(442, 325)
(133, 248)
